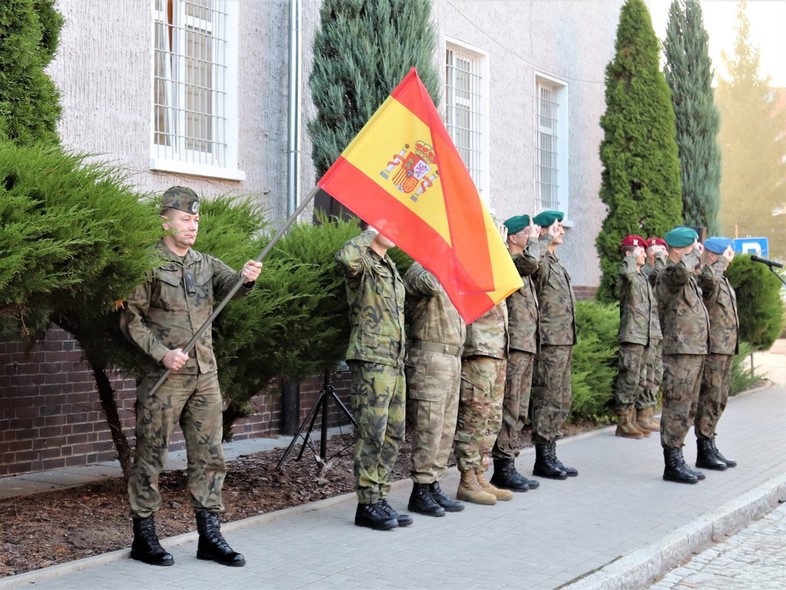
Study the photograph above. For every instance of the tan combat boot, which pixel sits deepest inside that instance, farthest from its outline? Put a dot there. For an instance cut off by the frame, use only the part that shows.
(626, 427)
(470, 491)
(645, 420)
(504, 495)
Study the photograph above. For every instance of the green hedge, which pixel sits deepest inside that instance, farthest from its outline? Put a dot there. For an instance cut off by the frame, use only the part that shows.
(759, 304)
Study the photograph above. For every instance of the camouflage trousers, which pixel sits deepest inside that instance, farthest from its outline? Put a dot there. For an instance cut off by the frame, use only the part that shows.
(433, 381)
(193, 401)
(480, 411)
(633, 364)
(714, 393)
(681, 384)
(653, 375)
(551, 392)
(515, 405)
(378, 394)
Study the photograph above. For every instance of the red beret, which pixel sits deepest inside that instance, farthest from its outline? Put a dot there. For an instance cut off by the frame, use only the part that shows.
(632, 241)
(656, 242)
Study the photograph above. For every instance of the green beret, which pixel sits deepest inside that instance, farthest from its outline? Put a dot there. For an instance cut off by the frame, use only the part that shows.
(181, 198)
(546, 218)
(516, 223)
(680, 237)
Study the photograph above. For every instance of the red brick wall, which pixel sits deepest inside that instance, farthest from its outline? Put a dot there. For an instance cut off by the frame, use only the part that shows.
(50, 416)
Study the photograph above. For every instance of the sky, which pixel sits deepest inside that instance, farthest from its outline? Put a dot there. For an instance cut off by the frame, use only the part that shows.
(767, 25)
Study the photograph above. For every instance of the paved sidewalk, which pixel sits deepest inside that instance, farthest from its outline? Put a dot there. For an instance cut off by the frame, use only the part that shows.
(618, 525)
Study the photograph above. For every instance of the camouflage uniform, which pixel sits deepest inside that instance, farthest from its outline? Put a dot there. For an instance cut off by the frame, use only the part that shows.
(433, 367)
(653, 364)
(639, 330)
(163, 314)
(685, 326)
(375, 293)
(482, 388)
(721, 303)
(551, 390)
(523, 331)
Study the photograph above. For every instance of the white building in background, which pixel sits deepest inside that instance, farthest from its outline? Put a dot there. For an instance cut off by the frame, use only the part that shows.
(197, 92)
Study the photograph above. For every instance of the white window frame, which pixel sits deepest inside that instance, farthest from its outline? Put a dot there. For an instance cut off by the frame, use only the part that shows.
(550, 173)
(181, 119)
(472, 142)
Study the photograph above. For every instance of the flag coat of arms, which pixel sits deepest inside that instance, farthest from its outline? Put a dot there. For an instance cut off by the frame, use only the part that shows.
(403, 175)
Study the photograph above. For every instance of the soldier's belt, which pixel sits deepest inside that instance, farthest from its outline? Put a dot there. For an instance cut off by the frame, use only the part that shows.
(451, 349)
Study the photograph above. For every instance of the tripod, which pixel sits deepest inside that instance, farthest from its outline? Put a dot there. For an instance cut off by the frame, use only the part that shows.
(327, 393)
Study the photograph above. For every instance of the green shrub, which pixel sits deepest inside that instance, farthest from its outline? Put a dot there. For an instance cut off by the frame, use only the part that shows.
(594, 361)
(759, 303)
(743, 374)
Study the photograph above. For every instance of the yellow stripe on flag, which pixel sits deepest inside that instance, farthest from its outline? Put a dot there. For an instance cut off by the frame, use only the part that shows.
(393, 126)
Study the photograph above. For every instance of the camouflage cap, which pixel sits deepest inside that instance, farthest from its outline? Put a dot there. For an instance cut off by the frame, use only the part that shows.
(546, 218)
(516, 223)
(680, 237)
(181, 198)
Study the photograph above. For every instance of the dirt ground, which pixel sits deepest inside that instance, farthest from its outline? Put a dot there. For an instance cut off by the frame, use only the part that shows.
(55, 527)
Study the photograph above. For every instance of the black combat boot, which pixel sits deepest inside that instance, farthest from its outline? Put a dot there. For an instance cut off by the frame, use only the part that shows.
(441, 498)
(544, 466)
(373, 517)
(422, 502)
(706, 457)
(211, 544)
(569, 471)
(507, 478)
(402, 519)
(719, 455)
(146, 547)
(675, 469)
(696, 473)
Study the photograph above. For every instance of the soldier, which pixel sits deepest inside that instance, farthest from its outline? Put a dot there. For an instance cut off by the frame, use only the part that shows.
(685, 327)
(524, 248)
(435, 343)
(480, 404)
(551, 390)
(639, 329)
(645, 408)
(721, 303)
(375, 293)
(161, 316)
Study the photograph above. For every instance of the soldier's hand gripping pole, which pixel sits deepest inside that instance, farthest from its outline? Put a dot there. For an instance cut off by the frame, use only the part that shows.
(219, 308)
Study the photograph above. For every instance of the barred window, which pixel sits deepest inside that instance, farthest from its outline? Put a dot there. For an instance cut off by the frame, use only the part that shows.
(551, 145)
(465, 110)
(192, 111)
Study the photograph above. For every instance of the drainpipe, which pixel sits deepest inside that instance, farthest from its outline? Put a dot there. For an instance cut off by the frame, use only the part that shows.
(290, 390)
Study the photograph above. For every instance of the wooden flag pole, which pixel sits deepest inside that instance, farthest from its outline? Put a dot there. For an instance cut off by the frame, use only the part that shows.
(220, 307)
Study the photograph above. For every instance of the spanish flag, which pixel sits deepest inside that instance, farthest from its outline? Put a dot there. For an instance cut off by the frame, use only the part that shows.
(403, 175)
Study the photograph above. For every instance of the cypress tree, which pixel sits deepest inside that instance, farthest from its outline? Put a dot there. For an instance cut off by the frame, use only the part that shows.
(640, 181)
(362, 50)
(29, 100)
(753, 143)
(689, 74)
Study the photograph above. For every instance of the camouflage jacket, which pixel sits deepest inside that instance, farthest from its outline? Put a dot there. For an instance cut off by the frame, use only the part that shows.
(488, 335)
(375, 294)
(639, 320)
(556, 300)
(683, 317)
(721, 303)
(166, 311)
(523, 304)
(432, 316)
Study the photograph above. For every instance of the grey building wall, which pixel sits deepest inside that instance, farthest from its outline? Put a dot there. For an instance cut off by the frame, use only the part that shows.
(104, 66)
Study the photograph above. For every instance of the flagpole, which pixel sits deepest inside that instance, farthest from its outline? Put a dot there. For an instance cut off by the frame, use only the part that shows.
(219, 308)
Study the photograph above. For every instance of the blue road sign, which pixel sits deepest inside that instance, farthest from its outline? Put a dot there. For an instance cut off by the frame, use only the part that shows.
(757, 246)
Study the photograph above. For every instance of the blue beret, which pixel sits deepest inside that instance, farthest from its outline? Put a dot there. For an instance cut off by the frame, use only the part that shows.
(717, 244)
(546, 218)
(516, 223)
